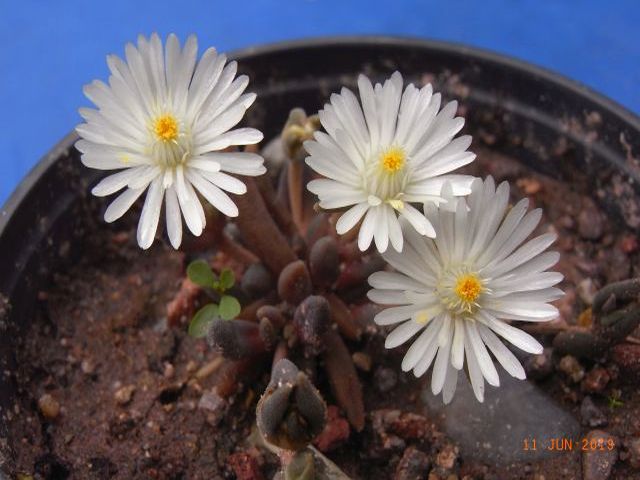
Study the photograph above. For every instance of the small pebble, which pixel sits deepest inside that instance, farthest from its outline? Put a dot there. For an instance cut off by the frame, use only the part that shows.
(87, 366)
(596, 380)
(169, 370)
(335, 433)
(566, 304)
(566, 221)
(49, 406)
(211, 401)
(413, 465)
(633, 452)
(629, 244)
(362, 361)
(120, 238)
(385, 379)
(590, 223)
(627, 357)
(585, 319)
(447, 456)
(570, 366)
(124, 394)
(597, 462)
(616, 265)
(539, 367)
(591, 415)
(588, 266)
(245, 465)
(587, 290)
(530, 186)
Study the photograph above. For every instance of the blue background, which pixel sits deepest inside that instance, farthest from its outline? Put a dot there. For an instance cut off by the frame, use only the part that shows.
(49, 49)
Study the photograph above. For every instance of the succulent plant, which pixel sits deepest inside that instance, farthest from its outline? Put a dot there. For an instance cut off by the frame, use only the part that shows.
(615, 314)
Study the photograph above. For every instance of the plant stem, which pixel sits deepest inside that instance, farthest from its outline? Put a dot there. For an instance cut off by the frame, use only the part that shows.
(236, 251)
(295, 181)
(260, 232)
(276, 206)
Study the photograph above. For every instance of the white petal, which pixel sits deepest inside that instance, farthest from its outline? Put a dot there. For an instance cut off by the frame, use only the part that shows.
(121, 204)
(442, 359)
(368, 99)
(350, 218)
(457, 347)
(148, 224)
(367, 229)
(422, 344)
(514, 335)
(381, 232)
(116, 181)
(213, 194)
(239, 136)
(241, 163)
(392, 315)
(507, 359)
(450, 383)
(395, 232)
(402, 333)
(225, 182)
(393, 281)
(485, 363)
(526, 252)
(418, 221)
(387, 297)
(189, 204)
(427, 357)
(174, 218)
(475, 374)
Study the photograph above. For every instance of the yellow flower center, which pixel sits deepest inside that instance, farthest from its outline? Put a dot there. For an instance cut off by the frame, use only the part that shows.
(468, 288)
(392, 160)
(166, 128)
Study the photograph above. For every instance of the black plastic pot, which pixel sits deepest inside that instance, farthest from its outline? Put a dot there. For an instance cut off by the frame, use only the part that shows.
(555, 125)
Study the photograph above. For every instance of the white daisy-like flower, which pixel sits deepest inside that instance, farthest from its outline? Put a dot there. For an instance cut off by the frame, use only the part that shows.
(163, 120)
(462, 289)
(380, 155)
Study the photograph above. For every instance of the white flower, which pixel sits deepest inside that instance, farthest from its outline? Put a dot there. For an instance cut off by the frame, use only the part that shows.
(383, 155)
(462, 288)
(163, 120)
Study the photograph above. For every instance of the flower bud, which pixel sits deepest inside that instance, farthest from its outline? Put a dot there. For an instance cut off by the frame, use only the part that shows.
(291, 412)
(298, 129)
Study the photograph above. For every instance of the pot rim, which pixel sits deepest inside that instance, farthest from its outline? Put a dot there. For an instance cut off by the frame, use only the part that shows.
(12, 204)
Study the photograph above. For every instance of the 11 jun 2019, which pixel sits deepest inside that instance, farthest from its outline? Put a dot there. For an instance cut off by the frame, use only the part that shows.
(567, 444)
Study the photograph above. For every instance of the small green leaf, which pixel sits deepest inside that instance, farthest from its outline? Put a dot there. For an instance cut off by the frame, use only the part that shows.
(227, 279)
(200, 273)
(229, 307)
(202, 319)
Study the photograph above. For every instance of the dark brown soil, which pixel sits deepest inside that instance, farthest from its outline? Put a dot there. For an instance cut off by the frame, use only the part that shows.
(127, 396)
